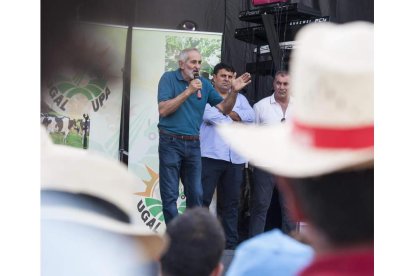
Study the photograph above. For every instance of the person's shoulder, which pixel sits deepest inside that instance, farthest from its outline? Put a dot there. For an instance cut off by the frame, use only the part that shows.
(263, 101)
(239, 95)
(274, 240)
(242, 100)
(207, 82)
(172, 74)
(269, 252)
(260, 242)
(169, 73)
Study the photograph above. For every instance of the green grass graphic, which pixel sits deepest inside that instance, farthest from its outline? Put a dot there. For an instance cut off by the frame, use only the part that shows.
(73, 139)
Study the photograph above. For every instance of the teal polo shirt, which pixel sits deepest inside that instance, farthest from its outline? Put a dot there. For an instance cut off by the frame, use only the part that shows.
(186, 120)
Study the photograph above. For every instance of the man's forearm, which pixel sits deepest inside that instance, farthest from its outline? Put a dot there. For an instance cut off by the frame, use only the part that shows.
(235, 116)
(238, 84)
(228, 103)
(165, 108)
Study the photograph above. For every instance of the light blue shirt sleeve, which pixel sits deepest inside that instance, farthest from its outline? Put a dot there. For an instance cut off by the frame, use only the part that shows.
(212, 145)
(243, 108)
(270, 253)
(213, 116)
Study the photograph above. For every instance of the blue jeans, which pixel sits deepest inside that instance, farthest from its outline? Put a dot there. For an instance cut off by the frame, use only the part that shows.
(179, 159)
(228, 178)
(261, 196)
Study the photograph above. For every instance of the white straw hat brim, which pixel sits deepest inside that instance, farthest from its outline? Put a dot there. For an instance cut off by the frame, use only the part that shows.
(331, 126)
(273, 149)
(78, 171)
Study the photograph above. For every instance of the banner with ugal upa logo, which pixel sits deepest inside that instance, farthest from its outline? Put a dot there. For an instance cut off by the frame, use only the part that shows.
(93, 90)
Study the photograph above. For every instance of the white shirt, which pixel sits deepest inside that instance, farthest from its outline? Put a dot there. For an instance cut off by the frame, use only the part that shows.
(211, 143)
(269, 112)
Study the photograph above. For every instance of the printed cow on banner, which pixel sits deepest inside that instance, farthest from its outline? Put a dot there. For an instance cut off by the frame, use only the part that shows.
(59, 124)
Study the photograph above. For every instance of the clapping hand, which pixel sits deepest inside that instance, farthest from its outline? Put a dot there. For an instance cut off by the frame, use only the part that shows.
(241, 82)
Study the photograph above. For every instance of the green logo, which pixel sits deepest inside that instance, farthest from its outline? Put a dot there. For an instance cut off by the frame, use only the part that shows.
(63, 89)
(150, 206)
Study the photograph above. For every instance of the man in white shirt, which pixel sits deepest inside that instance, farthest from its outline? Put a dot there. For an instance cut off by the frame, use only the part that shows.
(221, 166)
(272, 110)
(275, 108)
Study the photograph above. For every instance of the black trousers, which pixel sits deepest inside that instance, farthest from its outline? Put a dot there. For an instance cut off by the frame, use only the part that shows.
(261, 196)
(228, 179)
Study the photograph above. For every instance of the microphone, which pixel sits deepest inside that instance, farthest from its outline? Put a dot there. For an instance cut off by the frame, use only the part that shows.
(197, 76)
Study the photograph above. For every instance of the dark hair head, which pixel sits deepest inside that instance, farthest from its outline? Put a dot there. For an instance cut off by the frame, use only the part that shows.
(224, 66)
(340, 204)
(196, 244)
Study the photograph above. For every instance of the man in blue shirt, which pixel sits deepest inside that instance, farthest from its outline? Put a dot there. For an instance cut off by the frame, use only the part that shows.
(270, 253)
(181, 102)
(222, 167)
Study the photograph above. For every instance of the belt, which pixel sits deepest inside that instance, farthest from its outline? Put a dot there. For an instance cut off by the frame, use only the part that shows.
(181, 137)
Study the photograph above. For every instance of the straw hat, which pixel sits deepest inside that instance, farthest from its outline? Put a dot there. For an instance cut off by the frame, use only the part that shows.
(76, 171)
(333, 120)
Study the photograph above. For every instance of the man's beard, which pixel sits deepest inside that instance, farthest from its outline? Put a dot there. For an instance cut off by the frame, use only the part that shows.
(223, 88)
(189, 73)
(226, 86)
(282, 94)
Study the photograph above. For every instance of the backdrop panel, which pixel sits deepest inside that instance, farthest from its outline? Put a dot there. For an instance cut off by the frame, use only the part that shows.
(95, 90)
(155, 51)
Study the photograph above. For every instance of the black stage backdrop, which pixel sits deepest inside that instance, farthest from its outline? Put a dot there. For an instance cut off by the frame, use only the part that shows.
(209, 15)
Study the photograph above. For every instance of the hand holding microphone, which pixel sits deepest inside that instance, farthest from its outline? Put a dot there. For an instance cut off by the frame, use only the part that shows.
(197, 76)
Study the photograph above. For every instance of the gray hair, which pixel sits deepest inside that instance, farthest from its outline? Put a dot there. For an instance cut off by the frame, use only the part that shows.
(281, 72)
(183, 56)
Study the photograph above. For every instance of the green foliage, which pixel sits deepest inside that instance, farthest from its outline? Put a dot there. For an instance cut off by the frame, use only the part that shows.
(210, 50)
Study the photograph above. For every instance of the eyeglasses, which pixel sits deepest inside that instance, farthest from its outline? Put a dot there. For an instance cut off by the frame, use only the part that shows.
(283, 120)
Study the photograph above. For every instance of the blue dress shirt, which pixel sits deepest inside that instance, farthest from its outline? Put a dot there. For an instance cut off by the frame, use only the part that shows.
(212, 145)
(270, 253)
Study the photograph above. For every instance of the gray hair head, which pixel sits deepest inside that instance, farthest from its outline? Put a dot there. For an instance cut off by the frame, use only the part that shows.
(183, 56)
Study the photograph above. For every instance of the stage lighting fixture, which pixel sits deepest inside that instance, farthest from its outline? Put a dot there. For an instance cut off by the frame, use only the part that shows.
(187, 25)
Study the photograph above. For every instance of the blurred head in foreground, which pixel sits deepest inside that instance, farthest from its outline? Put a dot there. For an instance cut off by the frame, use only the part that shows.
(196, 245)
(325, 155)
(87, 216)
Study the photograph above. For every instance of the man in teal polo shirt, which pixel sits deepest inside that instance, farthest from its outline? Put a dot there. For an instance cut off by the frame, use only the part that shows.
(182, 97)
